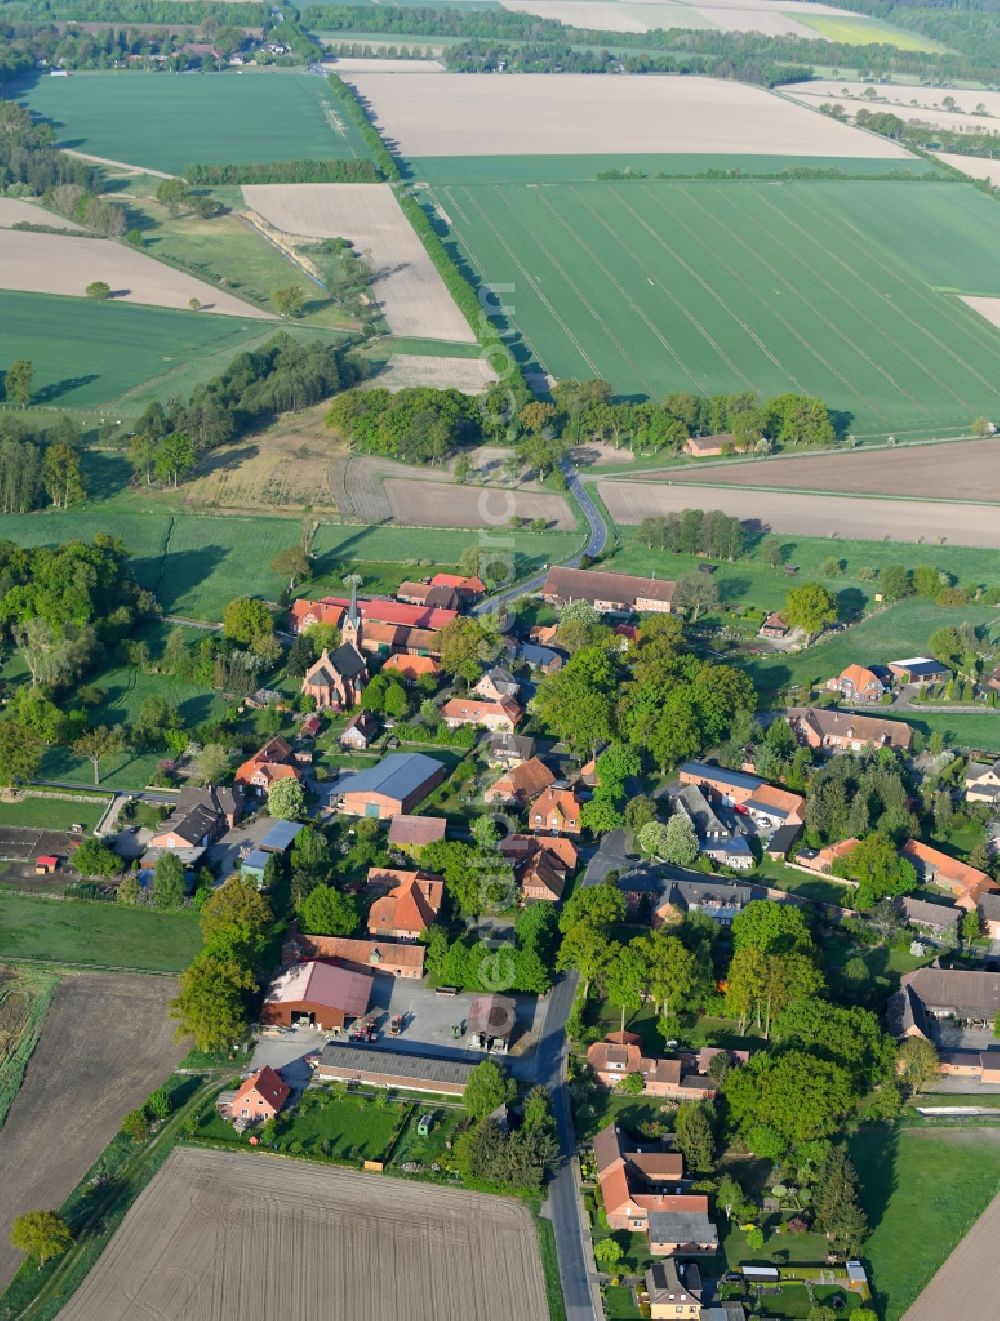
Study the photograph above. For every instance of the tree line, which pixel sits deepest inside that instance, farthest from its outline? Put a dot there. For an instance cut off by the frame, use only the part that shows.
(300, 171)
(173, 12)
(694, 532)
(28, 155)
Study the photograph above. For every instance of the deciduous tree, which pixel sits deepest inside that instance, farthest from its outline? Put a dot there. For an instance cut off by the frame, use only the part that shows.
(41, 1234)
(212, 1004)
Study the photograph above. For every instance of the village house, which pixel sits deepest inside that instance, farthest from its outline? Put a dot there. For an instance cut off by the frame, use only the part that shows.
(387, 957)
(536, 657)
(938, 920)
(652, 887)
(543, 878)
(409, 908)
(715, 840)
(637, 1189)
(410, 834)
(335, 681)
(426, 594)
(556, 810)
(857, 684)
(273, 762)
(501, 715)
(391, 788)
(769, 808)
(982, 782)
(200, 817)
(517, 848)
(304, 614)
(919, 670)
(822, 860)
(470, 587)
(372, 1066)
(966, 883)
(710, 447)
(989, 912)
(497, 685)
(521, 784)
(846, 731)
(764, 805)
(509, 750)
(774, 627)
(982, 1066)
(673, 1291)
(608, 593)
(931, 993)
(259, 1098)
(411, 668)
(359, 732)
(619, 1055)
(322, 995)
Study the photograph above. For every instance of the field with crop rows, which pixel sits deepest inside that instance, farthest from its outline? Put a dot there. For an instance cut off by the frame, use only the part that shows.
(825, 288)
(90, 354)
(168, 121)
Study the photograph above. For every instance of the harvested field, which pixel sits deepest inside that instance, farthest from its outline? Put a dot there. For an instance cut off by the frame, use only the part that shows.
(960, 470)
(436, 504)
(952, 121)
(412, 293)
(251, 1237)
(812, 515)
(989, 308)
(106, 1043)
(15, 212)
(968, 1284)
(50, 264)
(976, 167)
(403, 370)
(540, 114)
(346, 65)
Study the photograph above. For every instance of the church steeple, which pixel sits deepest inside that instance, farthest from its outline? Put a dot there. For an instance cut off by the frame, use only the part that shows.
(351, 627)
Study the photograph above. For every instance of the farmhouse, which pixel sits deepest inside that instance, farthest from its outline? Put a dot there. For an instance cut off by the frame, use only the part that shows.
(619, 1055)
(374, 1067)
(471, 587)
(304, 614)
(200, 816)
(557, 810)
(499, 715)
(766, 806)
(375, 610)
(359, 731)
(409, 909)
(320, 994)
(714, 839)
(336, 679)
(845, 731)
(260, 1097)
(425, 594)
(930, 993)
(632, 1183)
(769, 808)
(272, 763)
(523, 783)
(535, 657)
(396, 784)
(392, 959)
(515, 848)
(966, 883)
(509, 749)
(608, 593)
(705, 447)
(413, 832)
(669, 899)
(774, 627)
(857, 684)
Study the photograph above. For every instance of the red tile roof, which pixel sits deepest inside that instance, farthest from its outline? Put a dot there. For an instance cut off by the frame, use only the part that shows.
(266, 1084)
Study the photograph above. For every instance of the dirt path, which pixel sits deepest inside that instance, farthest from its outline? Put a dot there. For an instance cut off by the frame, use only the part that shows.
(106, 1043)
(118, 165)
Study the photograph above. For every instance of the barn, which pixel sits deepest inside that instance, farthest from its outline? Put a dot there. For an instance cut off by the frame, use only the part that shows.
(392, 787)
(322, 995)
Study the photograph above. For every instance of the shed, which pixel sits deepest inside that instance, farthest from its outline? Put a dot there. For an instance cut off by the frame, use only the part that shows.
(280, 836)
(252, 867)
(45, 863)
(320, 994)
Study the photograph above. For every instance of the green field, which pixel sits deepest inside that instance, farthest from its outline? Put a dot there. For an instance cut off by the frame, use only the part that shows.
(49, 813)
(87, 354)
(439, 171)
(720, 286)
(170, 121)
(922, 1190)
(859, 30)
(101, 934)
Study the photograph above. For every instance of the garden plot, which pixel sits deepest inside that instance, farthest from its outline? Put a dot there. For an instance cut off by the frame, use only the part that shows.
(252, 1237)
(407, 285)
(545, 114)
(51, 264)
(812, 515)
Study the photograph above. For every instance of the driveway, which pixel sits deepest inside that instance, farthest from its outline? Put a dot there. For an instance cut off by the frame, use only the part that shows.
(612, 856)
(246, 836)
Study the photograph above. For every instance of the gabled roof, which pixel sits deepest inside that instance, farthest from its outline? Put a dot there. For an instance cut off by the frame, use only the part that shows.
(415, 665)
(412, 906)
(385, 611)
(398, 775)
(858, 675)
(703, 770)
(267, 1084)
(417, 830)
(325, 984)
(323, 612)
(555, 801)
(471, 709)
(540, 873)
(503, 742)
(475, 586)
(374, 954)
(591, 585)
(524, 781)
(827, 723)
(967, 881)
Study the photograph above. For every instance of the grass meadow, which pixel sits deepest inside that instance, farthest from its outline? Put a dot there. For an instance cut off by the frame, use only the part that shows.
(210, 119)
(846, 290)
(46, 812)
(96, 933)
(92, 355)
(922, 1190)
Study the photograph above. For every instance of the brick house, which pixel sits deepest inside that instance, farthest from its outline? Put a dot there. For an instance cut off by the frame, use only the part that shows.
(409, 908)
(200, 817)
(846, 731)
(857, 685)
(390, 958)
(260, 1097)
(374, 1067)
(497, 685)
(411, 668)
(619, 1055)
(709, 447)
(274, 762)
(359, 731)
(774, 627)
(673, 1291)
(555, 810)
(503, 715)
(967, 884)
(412, 833)
(304, 614)
(608, 593)
(521, 784)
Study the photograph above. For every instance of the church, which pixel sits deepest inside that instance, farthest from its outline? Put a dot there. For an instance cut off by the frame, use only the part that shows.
(337, 678)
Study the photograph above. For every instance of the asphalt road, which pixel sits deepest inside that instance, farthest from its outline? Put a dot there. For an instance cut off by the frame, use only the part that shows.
(597, 536)
(577, 1270)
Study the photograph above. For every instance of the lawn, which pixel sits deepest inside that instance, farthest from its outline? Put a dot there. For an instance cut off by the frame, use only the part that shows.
(922, 1190)
(50, 813)
(89, 354)
(218, 118)
(715, 286)
(816, 888)
(95, 933)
